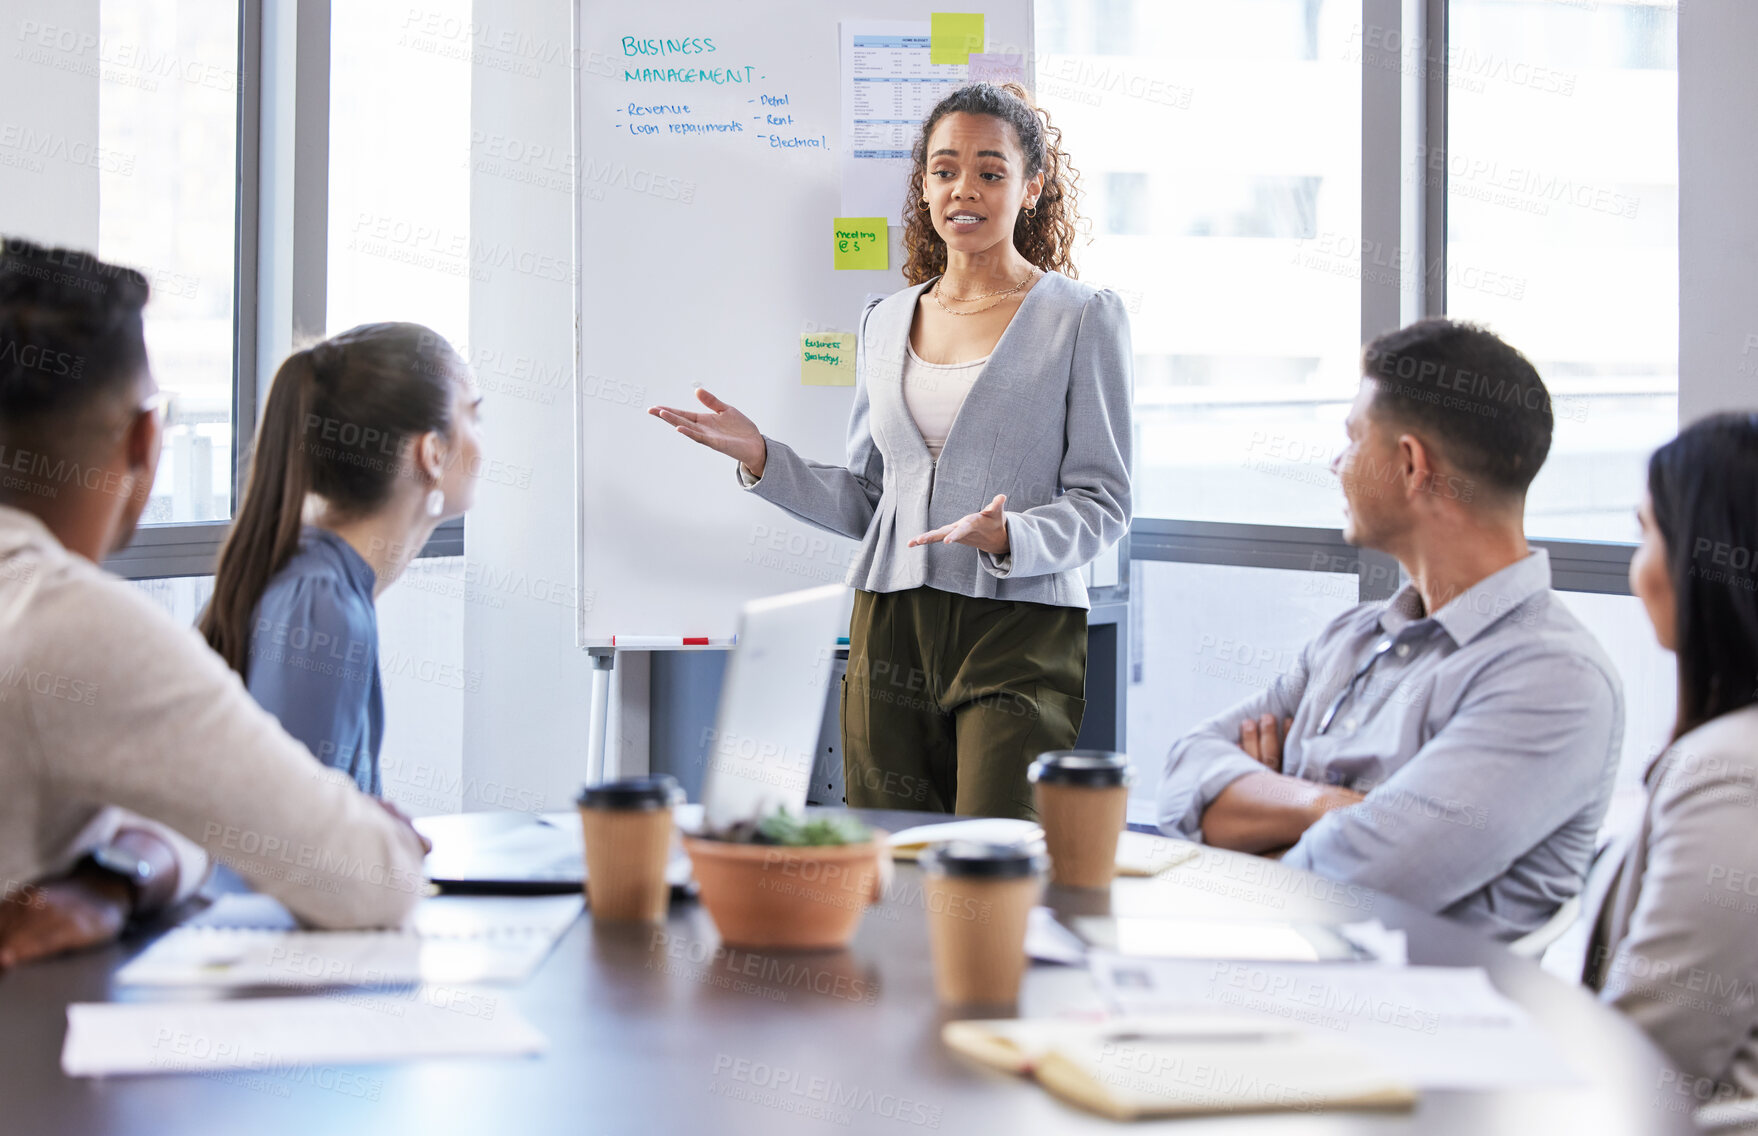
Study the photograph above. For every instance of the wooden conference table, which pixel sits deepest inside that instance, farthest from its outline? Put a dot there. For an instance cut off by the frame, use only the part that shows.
(652, 1031)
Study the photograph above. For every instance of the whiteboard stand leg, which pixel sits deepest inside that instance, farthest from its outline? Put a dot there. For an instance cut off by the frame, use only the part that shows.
(603, 659)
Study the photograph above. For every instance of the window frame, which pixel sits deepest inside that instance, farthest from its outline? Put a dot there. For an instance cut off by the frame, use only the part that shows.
(280, 224)
(1403, 107)
(1404, 104)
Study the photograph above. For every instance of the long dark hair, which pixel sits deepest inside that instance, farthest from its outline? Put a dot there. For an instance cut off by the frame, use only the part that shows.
(339, 417)
(1701, 484)
(1047, 239)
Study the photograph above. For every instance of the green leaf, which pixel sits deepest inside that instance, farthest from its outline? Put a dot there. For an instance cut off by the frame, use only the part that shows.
(782, 827)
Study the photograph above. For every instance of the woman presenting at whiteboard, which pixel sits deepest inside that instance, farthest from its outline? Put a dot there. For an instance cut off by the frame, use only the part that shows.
(988, 461)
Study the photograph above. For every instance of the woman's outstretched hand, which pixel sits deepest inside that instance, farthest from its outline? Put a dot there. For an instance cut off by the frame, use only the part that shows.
(986, 530)
(722, 428)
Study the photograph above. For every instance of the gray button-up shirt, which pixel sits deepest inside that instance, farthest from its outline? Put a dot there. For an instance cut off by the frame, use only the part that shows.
(1486, 737)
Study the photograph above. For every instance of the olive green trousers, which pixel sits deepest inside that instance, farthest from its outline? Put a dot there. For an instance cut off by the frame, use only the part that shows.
(948, 699)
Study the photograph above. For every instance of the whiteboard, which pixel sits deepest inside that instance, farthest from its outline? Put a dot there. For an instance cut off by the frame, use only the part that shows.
(702, 258)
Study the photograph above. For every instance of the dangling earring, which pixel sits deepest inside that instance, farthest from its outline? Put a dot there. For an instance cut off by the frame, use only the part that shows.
(436, 501)
(1031, 211)
(922, 204)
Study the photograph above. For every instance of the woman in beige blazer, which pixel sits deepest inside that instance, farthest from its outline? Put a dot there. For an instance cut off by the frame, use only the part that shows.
(1675, 934)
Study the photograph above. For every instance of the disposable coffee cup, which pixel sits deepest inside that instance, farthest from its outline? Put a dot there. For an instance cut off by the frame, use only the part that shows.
(628, 829)
(979, 898)
(1082, 796)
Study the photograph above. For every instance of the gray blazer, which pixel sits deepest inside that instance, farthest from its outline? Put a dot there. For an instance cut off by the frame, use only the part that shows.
(1675, 927)
(1048, 423)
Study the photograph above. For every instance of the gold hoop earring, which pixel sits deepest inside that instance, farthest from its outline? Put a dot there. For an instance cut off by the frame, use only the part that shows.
(1031, 212)
(922, 204)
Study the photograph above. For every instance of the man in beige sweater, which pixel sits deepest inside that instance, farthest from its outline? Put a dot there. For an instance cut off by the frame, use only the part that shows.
(129, 753)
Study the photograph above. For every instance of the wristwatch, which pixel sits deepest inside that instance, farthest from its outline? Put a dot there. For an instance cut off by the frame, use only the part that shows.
(133, 869)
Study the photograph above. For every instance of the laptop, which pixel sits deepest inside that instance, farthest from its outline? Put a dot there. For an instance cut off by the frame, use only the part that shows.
(760, 757)
(765, 740)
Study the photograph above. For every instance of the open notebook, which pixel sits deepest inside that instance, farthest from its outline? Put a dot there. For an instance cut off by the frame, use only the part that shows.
(251, 940)
(1131, 1068)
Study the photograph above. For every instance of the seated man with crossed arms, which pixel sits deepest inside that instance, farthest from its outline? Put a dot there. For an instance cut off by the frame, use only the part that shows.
(1455, 745)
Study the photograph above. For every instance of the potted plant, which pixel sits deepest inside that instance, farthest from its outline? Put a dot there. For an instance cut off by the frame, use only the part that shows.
(788, 882)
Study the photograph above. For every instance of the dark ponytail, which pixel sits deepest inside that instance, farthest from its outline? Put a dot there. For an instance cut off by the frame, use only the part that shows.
(338, 422)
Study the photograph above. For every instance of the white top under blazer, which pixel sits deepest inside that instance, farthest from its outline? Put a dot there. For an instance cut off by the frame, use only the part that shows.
(934, 392)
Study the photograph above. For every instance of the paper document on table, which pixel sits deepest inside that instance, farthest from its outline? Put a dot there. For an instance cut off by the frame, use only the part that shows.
(906, 843)
(1257, 940)
(1145, 854)
(286, 1036)
(1442, 1027)
(249, 940)
(1049, 941)
(889, 85)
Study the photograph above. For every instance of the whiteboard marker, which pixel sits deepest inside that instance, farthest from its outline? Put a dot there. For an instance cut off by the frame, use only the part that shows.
(659, 642)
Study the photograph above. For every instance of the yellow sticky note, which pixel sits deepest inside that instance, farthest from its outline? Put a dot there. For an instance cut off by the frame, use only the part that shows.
(827, 360)
(954, 36)
(863, 242)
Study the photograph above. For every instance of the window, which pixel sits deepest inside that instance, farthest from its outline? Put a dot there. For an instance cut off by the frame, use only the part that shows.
(1561, 171)
(1223, 142)
(399, 241)
(1649, 674)
(1127, 210)
(1192, 666)
(1224, 148)
(181, 597)
(167, 164)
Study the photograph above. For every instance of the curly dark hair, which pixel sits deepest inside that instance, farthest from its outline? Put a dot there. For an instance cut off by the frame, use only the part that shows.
(1047, 240)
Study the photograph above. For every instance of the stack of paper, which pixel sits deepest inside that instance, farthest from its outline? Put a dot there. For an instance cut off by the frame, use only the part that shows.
(283, 1035)
(250, 940)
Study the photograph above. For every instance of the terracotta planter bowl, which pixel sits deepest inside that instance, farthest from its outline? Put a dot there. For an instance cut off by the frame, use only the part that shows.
(772, 897)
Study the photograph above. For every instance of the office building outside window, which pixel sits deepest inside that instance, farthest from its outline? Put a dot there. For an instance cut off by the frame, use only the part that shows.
(1220, 145)
(167, 158)
(1562, 178)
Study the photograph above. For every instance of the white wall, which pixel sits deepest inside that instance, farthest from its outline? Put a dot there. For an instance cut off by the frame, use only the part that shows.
(48, 117)
(1718, 209)
(421, 662)
(525, 722)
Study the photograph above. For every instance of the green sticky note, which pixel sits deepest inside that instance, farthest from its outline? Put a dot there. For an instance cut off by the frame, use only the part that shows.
(827, 360)
(954, 36)
(863, 242)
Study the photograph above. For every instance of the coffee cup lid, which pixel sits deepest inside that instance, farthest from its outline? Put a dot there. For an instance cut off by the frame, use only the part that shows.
(1096, 768)
(653, 791)
(973, 858)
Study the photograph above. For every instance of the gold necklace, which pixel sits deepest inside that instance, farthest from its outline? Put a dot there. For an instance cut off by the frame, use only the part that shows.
(985, 295)
(971, 299)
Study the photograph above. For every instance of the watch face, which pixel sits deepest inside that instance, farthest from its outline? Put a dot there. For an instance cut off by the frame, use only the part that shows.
(124, 863)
